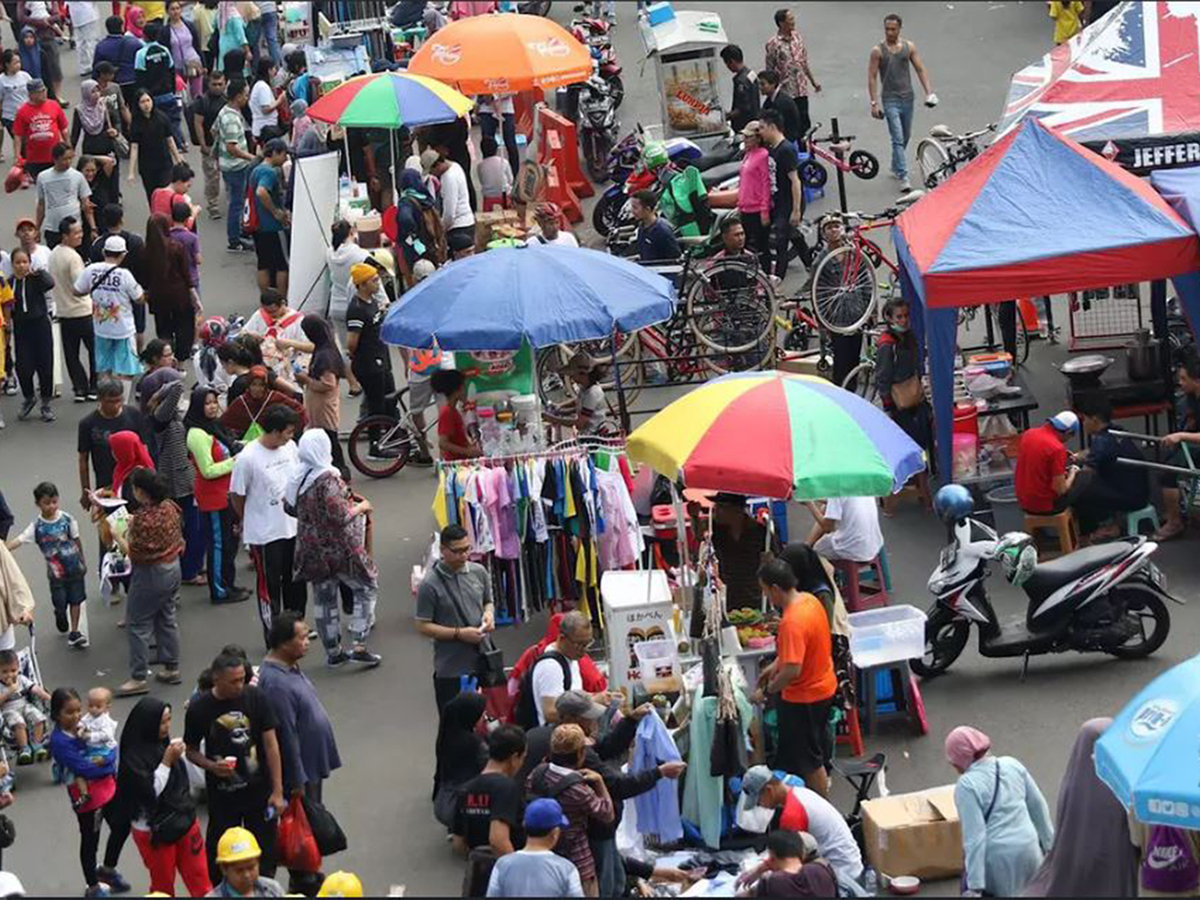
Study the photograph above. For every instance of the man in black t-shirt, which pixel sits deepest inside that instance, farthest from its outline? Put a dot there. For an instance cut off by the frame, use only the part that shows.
(792, 869)
(110, 416)
(370, 357)
(787, 200)
(656, 241)
(241, 763)
(204, 115)
(113, 222)
(491, 806)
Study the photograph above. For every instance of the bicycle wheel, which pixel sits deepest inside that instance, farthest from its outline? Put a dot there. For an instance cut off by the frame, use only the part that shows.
(1022, 341)
(864, 164)
(813, 174)
(731, 306)
(933, 160)
(380, 446)
(861, 380)
(843, 289)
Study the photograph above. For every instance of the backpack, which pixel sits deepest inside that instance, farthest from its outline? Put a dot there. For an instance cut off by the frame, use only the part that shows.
(431, 232)
(250, 208)
(525, 711)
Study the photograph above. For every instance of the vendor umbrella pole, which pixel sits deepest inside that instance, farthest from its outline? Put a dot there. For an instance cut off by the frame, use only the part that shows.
(622, 407)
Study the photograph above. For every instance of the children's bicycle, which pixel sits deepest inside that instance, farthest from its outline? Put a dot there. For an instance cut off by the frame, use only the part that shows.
(814, 175)
(381, 445)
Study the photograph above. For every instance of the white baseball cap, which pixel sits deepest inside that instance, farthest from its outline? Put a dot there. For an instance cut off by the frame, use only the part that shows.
(1065, 421)
(114, 243)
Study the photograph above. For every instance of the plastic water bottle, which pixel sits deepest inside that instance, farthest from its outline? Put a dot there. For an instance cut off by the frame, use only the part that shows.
(344, 186)
(870, 881)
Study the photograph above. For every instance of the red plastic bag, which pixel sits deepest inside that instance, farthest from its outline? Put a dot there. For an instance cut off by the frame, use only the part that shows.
(296, 845)
(15, 178)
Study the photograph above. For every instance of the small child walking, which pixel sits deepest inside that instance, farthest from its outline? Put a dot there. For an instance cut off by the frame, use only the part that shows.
(18, 706)
(56, 534)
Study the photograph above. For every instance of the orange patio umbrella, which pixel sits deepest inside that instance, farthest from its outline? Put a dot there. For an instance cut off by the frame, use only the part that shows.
(503, 53)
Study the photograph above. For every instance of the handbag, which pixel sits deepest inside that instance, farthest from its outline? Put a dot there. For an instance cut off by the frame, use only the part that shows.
(908, 393)
(168, 826)
(120, 142)
(445, 804)
(325, 828)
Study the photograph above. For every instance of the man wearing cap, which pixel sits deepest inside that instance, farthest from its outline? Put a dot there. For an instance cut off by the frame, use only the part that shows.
(802, 810)
(847, 348)
(114, 292)
(537, 871)
(547, 219)
(739, 542)
(39, 254)
(270, 238)
(40, 125)
(793, 868)
(238, 855)
(370, 357)
(1042, 478)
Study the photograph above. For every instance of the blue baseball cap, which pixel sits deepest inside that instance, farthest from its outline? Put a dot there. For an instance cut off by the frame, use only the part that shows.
(1065, 421)
(544, 814)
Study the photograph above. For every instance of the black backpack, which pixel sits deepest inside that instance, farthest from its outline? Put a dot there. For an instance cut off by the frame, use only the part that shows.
(526, 714)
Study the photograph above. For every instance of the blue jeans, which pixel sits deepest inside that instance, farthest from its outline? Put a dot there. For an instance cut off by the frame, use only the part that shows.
(488, 126)
(235, 187)
(172, 109)
(269, 25)
(898, 111)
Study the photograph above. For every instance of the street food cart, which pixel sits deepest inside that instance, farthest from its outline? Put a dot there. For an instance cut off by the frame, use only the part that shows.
(685, 48)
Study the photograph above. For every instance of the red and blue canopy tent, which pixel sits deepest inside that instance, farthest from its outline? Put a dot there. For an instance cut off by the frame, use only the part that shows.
(1036, 213)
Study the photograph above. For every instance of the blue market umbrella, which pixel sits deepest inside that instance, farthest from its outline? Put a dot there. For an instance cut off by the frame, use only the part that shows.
(1148, 756)
(542, 294)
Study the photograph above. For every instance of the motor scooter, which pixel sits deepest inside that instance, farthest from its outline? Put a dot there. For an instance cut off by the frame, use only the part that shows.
(1107, 598)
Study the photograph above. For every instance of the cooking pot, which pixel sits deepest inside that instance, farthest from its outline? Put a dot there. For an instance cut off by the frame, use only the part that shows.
(1143, 359)
(1086, 370)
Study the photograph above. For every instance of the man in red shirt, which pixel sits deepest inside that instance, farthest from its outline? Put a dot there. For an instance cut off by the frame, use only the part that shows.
(453, 439)
(1042, 479)
(802, 675)
(39, 125)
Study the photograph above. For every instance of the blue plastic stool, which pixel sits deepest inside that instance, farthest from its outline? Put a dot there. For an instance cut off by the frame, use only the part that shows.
(1134, 520)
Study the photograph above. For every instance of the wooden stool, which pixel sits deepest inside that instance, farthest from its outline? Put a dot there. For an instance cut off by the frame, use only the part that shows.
(905, 696)
(1134, 520)
(860, 594)
(1062, 524)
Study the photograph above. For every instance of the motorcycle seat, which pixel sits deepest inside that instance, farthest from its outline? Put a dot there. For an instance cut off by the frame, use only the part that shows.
(716, 175)
(717, 158)
(1050, 576)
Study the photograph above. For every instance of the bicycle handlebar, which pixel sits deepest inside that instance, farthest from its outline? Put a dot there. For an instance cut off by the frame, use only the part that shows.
(971, 135)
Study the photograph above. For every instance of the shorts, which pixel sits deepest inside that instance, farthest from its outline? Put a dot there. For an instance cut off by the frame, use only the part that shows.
(420, 393)
(268, 246)
(458, 239)
(21, 712)
(139, 317)
(117, 355)
(805, 736)
(68, 592)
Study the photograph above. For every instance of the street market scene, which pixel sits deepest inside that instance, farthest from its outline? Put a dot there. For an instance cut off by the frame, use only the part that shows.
(599, 449)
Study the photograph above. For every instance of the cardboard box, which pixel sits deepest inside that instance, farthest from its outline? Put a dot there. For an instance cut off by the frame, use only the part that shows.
(914, 834)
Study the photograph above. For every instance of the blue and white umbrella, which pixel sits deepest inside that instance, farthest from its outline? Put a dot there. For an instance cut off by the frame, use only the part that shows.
(1150, 755)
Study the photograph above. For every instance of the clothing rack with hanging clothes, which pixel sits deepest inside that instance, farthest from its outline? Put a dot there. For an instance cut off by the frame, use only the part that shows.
(546, 524)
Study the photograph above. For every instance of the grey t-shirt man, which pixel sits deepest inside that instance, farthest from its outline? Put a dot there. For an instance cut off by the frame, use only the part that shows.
(62, 193)
(534, 873)
(471, 586)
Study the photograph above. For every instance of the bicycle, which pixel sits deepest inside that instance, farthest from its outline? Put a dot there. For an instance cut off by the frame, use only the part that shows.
(812, 174)
(940, 154)
(861, 379)
(380, 445)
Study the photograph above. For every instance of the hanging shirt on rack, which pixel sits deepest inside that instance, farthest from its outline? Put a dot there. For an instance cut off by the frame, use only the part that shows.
(658, 808)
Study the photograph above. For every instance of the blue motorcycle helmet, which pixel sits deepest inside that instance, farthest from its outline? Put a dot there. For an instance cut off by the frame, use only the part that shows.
(952, 503)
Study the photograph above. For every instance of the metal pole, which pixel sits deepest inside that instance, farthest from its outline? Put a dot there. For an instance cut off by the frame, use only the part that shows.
(841, 176)
(622, 407)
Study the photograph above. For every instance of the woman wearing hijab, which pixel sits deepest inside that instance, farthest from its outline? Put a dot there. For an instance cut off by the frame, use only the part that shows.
(169, 291)
(233, 42)
(322, 384)
(1005, 820)
(1093, 854)
(128, 453)
(331, 548)
(30, 52)
(175, 466)
(212, 450)
(91, 119)
(153, 792)
(413, 234)
(460, 753)
(241, 418)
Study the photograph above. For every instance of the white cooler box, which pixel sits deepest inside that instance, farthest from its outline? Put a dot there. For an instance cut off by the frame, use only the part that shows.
(637, 607)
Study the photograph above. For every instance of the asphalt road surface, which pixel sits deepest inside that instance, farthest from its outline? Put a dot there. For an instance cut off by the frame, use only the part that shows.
(385, 719)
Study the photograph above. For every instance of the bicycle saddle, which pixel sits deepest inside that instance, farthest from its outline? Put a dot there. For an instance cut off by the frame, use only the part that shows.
(940, 131)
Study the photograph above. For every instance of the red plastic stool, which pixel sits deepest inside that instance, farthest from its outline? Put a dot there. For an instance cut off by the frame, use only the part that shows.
(850, 734)
(860, 593)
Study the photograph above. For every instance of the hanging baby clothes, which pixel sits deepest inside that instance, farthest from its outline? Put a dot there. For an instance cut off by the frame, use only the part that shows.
(658, 808)
(621, 542)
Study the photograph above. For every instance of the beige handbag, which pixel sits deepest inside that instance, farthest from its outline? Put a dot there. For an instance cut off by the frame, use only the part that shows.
(908, 393)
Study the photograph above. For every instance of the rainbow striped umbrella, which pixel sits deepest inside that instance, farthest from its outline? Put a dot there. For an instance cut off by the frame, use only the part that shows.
(389, 100)
(771, 434)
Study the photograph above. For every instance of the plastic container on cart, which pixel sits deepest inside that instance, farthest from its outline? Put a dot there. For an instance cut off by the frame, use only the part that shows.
(658, 662)
(890, 634)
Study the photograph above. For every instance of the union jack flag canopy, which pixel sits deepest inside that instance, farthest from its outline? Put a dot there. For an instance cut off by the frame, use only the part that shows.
(1127, 86)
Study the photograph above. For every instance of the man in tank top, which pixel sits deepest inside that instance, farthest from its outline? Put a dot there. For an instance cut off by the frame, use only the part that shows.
(892, 98)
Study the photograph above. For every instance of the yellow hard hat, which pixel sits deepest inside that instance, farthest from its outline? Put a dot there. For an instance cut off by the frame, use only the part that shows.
(341, 884)
(237, 845)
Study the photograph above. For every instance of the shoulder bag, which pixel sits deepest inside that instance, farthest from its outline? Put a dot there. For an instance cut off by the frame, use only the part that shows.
(490, 668)
(908, 393)
(120, 142)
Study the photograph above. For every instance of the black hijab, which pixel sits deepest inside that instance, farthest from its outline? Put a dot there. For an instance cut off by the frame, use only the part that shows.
(195, 418)
(140, 755)
(325, 356)
(461, 752)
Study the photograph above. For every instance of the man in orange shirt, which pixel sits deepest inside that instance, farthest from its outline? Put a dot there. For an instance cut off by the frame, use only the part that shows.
(802, 675)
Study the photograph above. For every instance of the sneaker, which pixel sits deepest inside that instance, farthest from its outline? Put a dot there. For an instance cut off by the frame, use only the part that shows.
(365, 657)
(133, 687)
(25, 756)
(115, 880)
(26, 409)
(422, 459)
(1, 423)
(10, 387)
(237, 595)
(377, 453)
(338, 659)
(215, 214)
(47, 413)
(60, 621)
(99, 889)
(235, 248)
(81, 398)
(169, 676)
(92, 395)
(40, 753)
(905, 185)
(78, 640)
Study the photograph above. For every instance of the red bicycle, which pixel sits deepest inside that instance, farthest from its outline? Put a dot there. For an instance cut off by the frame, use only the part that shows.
(814, 175)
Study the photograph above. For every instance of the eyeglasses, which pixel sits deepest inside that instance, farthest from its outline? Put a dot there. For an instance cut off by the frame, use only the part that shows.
(459, 550)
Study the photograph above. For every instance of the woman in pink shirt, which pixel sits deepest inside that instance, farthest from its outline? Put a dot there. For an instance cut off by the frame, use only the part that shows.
(754, 192)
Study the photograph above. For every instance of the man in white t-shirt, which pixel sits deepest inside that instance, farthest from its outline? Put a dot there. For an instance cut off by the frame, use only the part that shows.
(114, 291)
(457, 216)
(846, 528)
(547, 217)
(260, 479)
(546, 678)
(279, 327)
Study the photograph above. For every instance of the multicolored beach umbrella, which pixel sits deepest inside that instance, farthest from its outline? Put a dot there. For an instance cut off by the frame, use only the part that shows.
(389, 100)
(771, 434)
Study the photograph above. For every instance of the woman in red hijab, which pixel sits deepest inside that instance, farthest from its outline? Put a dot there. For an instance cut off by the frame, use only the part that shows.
(129, 453)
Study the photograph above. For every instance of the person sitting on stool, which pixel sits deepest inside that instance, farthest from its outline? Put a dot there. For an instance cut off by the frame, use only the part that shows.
(846, 528)
(1115, 487)
(1045, 485)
